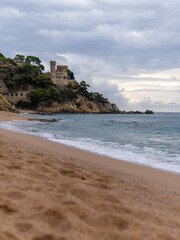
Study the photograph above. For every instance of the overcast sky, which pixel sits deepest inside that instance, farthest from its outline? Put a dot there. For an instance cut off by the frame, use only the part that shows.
(128, 50)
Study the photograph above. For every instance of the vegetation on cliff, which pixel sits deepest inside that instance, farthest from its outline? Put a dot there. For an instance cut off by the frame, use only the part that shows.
(7, 60)
(22, 73)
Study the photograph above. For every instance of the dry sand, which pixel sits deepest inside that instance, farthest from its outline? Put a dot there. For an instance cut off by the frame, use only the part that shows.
(9, 116)
(52, 192)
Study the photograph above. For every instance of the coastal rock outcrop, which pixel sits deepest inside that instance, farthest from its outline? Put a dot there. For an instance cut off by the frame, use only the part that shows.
(5, 105)
(43, 120)
(149, 112)
(137, 112)
(79, 105)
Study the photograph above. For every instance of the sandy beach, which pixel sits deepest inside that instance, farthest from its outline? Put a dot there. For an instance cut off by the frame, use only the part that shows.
(54, 192)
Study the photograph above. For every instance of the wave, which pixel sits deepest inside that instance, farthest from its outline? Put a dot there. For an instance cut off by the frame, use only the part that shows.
(127, 152)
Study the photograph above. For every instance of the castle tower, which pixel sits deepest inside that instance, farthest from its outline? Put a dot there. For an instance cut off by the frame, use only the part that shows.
(59, 76)
(53, 70)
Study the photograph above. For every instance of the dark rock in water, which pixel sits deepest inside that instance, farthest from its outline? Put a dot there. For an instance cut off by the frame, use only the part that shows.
(149, 112)
(137, 112)
(43, 120)
(45, 113)
(134, 112)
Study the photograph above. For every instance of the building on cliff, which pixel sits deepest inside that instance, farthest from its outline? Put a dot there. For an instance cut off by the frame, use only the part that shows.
(59, 75)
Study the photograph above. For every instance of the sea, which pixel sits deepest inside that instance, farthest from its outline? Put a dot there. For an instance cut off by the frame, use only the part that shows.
(150, 140)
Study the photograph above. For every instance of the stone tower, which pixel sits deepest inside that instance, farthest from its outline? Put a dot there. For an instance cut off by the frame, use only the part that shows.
(53, 70)
(59, 76)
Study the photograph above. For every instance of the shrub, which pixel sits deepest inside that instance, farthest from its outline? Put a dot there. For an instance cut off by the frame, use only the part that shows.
(43, 81)
(99, 97)
(19, 58)
(1, 55)
(70, 74)
(42, 95)
(25, 105)
(69, 94)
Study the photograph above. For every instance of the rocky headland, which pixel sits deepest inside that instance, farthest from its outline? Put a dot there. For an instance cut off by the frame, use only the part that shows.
(24, 84)
(80, 105)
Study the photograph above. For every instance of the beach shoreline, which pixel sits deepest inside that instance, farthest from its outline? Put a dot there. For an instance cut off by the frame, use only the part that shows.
(8, 116)
(51, 185)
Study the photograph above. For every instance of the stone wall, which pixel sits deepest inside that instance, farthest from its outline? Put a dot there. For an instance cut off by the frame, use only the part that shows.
(15, 97)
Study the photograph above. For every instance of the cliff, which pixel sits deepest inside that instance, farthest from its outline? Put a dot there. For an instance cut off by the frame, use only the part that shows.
(79, 105)
(5, 105)
(24, 84)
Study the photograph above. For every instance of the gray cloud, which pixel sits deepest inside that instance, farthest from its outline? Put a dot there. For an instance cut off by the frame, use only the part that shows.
(111, 41)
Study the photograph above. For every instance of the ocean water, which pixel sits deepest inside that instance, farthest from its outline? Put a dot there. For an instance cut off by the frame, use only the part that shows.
(152, 140)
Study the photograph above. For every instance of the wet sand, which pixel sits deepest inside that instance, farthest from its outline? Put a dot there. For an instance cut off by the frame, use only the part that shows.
(50, 191)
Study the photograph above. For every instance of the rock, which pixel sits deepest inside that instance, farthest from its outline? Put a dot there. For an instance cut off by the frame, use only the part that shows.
(6, 106)
(107, 107)
(149, 112)
(43, 120)
(134, 112)
(79, 105)
(137, 112)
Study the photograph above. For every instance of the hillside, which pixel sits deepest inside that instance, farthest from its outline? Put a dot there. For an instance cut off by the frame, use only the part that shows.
(25, 76)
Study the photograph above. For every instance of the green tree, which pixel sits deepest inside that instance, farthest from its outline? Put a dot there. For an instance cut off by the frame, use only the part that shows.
(35, 61)
(68, 94)
(11, 85)
(19, 58)
(11, 61)
(54, 95)
(16, 78)
(28, 74)
(7, 60)
(28, 68)
(44, 95)
(43, 81)
(99, 97)
(1, 55)
(37, 95)
(71, 74)
(83, 85)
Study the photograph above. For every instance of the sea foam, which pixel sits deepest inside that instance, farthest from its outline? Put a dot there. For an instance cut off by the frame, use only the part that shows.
(102, 137)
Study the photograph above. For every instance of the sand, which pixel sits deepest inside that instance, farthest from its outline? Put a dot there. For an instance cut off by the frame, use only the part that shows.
(9, 116)
(53, 192)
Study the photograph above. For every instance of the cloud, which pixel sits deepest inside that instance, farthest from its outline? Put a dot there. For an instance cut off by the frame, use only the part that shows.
(113, 45)
(10, 13)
